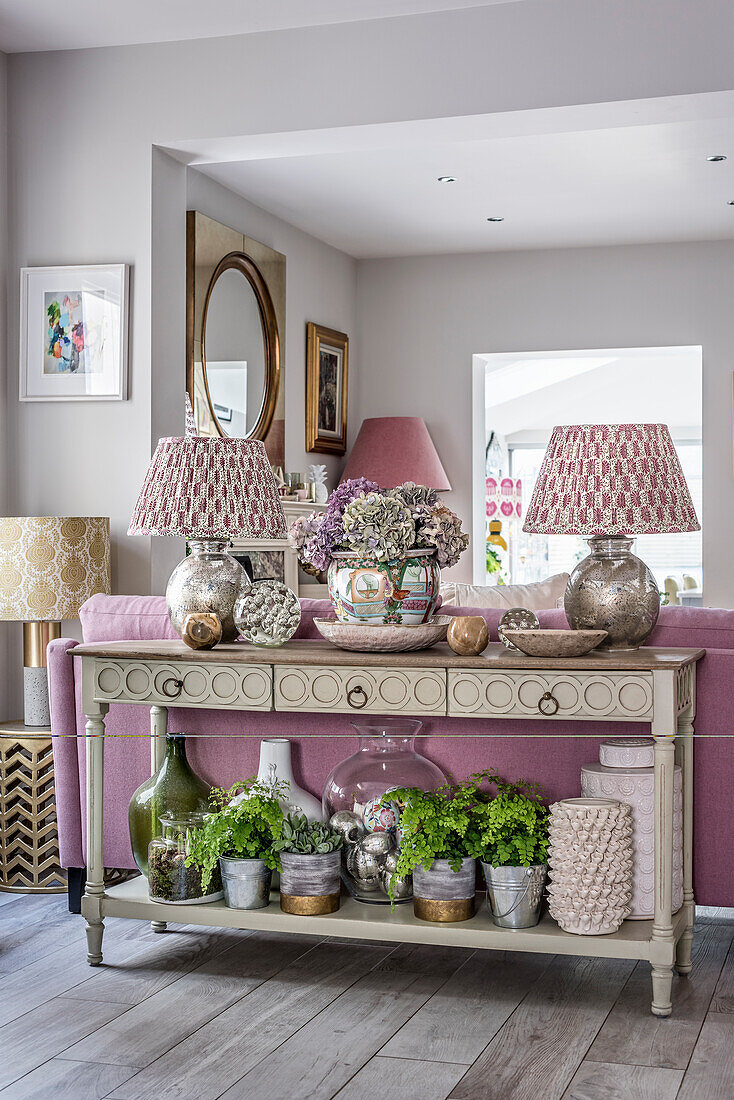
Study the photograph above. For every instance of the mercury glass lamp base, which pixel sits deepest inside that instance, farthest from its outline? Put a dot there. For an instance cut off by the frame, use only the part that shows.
(613, 590)
(208, 579)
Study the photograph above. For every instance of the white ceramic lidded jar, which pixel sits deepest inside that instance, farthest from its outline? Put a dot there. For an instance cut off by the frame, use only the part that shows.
(626, 773)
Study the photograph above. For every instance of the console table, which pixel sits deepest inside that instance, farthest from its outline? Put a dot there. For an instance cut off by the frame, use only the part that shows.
(652, 686)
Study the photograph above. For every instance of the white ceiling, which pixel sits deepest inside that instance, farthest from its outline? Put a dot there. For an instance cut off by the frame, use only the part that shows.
(32, 25)
(585, 186)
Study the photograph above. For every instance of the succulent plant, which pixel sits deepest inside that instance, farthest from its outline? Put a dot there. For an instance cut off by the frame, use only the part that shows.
(307, 839)
(378, 526)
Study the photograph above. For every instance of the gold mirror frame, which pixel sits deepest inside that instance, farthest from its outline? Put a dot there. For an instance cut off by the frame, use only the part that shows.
(239, 261)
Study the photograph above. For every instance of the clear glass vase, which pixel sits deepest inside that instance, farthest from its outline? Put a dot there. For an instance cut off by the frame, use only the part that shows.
(386, 758)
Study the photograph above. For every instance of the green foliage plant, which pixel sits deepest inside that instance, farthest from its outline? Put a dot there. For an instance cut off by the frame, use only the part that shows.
(245, 823)
(511, 829)
(302, 838)
(433, 825)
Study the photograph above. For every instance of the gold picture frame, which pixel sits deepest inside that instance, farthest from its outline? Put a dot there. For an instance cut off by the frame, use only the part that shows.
(327, 366)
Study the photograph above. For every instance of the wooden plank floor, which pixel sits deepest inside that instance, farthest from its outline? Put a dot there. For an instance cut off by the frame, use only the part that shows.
(199, 1014)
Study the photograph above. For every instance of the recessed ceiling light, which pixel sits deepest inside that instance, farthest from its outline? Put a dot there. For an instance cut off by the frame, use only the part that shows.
(447, 179)
(730, 202)
(716, 159)
(495, 219)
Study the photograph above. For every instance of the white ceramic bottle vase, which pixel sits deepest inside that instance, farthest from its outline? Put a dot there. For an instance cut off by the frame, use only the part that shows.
(275, 752)
(590, 857)
(626, 773)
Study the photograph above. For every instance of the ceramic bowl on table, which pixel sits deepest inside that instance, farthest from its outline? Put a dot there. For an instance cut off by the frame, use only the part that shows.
(555, 643)
(380, 638)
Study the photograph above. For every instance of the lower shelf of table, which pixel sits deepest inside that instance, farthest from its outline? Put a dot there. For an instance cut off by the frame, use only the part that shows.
(355, 920)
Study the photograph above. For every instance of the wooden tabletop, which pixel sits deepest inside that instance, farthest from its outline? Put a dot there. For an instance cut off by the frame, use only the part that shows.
(321, 652)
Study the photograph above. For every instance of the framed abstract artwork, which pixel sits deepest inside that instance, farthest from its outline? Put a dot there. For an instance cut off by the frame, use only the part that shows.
(327, 362)
(73, 333)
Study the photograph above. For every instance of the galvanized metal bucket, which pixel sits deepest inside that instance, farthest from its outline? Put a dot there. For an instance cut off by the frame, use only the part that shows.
(246, 883)
(515, 894)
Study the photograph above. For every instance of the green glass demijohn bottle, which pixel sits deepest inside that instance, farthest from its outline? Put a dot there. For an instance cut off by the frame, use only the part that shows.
(175, 789)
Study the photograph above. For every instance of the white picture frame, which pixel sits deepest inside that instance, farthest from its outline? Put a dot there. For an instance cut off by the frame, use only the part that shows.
(74, 333)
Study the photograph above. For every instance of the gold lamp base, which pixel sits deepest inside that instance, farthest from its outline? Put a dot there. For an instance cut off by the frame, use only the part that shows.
(36, 636)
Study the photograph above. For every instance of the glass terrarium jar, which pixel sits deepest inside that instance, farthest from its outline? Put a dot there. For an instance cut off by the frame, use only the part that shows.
(386, 759)
(169, 878)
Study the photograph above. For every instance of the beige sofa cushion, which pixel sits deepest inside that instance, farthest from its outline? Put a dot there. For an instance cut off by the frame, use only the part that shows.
(536, 597)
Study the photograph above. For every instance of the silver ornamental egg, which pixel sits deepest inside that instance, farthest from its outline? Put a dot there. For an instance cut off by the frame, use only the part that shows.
(377, 844)
(349, 825)
(364, 867)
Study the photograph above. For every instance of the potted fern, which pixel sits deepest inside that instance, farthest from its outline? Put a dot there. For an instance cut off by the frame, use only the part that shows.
(310, 871)
(509, 835)
(433, 828)
(239, 835)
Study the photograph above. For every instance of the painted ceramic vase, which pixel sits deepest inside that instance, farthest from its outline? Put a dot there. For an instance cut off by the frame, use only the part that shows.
(367, 591)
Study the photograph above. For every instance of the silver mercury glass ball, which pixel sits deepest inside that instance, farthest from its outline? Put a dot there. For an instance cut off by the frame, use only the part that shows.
(349, 825)
(364, 867)
(402, 887)
(377, 844)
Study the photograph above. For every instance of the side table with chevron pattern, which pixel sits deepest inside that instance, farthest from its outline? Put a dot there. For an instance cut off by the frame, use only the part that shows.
(29, 844)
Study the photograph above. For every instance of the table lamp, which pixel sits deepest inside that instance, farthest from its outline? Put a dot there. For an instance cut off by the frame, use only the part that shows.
(208, 490)
(394, 449)
(607, 482)
(49, 565)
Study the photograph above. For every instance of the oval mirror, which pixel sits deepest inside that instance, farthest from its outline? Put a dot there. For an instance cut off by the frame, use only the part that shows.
(240, 351)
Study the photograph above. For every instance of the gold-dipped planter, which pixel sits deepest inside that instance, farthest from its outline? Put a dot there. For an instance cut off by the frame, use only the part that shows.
(443, 912)
(443, 895)
(309, 906)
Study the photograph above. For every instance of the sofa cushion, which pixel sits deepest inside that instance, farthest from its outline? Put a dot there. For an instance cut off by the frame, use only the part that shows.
(536, 597)
(123, 618)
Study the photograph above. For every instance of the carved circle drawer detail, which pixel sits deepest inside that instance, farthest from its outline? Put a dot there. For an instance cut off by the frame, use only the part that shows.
(411, 691)
(184, 684)
(578, 695)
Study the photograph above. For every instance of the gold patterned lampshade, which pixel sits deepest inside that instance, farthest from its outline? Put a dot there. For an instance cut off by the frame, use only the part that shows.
(49, 565)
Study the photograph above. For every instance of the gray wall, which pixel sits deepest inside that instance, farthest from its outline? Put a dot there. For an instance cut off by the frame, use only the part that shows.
(9, 633)
(421, 320)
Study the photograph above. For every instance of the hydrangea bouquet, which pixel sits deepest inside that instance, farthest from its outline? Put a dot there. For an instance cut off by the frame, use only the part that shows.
(379, 524)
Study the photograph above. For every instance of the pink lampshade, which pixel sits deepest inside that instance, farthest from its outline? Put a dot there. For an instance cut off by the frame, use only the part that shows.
(394, 449)
(610, 479)
(198, 487)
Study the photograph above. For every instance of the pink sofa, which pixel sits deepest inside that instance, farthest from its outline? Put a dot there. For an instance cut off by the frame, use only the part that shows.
(225, 755)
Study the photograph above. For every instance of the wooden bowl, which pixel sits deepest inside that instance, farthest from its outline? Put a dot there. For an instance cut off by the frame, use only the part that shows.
(556, 643)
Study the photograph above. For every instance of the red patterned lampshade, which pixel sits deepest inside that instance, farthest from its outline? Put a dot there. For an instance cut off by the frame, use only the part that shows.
(202, 488)
(610, 479)
(394, 449)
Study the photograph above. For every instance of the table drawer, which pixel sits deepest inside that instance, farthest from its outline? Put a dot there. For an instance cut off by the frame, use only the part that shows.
(183, 684)
(606, 696)
(375, 691)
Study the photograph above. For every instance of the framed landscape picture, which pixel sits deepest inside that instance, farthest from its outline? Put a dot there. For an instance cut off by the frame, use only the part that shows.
(73, 333)
(327, 362)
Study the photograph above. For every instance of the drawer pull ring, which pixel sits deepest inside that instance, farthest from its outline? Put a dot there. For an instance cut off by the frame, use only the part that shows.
(548, 704)
(358, 690)
(177, 685)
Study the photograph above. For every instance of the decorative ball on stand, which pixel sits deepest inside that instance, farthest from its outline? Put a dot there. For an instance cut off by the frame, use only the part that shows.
(468, 635)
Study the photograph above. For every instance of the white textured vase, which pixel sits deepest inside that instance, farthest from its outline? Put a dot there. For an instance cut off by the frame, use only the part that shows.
(275, 763)
(626, 773)
(590, 859)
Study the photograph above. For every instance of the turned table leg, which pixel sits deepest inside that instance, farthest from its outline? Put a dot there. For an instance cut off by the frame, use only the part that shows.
(662, 951)
(94, 890)
(685, 750)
